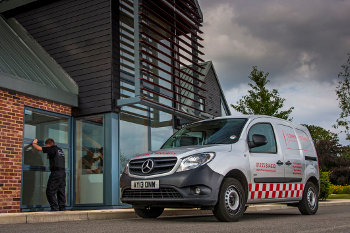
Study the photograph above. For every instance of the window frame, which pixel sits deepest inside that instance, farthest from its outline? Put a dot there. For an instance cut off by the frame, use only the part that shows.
(68, 146)
(274, 136)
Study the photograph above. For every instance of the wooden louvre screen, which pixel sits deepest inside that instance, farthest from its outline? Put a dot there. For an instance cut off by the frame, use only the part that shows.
(169, 48)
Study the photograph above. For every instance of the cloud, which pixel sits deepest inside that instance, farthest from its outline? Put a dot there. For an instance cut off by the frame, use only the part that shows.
(290, 39)
(302, 45)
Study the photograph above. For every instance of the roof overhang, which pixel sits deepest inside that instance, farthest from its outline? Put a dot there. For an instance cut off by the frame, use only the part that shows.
(29, 87)
(27, 68)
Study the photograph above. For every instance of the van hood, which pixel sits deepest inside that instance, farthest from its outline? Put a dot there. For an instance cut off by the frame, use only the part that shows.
(181, 152)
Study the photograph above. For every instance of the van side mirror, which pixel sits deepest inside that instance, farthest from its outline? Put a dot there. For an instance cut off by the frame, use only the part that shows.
(258, 140)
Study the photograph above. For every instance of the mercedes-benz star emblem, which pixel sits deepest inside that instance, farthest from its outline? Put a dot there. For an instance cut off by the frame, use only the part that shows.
(147, 166)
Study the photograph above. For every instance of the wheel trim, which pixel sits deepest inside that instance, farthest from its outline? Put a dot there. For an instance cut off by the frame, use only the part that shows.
(232, 199)
(311, 198)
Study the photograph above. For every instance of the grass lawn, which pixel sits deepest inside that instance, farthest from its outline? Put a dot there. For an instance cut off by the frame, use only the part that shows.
(339, 196)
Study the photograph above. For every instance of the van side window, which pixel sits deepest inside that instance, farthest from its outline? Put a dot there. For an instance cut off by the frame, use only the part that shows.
(305, 142)
(266, 130)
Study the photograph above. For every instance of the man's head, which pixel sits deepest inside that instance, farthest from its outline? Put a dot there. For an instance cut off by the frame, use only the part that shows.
(49, 142)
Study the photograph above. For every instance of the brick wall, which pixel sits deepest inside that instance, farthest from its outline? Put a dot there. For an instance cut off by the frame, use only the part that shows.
(11, 133)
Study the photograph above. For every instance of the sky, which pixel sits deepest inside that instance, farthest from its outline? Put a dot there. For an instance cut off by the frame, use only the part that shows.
(301, 44)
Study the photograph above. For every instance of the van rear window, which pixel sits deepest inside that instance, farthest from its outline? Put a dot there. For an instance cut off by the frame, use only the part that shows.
(305, 142)
(222, 131)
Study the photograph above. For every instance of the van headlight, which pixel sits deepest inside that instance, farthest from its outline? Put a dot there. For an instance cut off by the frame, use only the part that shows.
(194, 161)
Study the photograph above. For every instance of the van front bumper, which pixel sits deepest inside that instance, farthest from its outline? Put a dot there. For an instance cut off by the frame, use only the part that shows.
(175, 190)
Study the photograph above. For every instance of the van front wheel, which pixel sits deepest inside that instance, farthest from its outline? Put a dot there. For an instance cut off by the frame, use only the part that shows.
(309, 204)
(148, 212)
(231, 203)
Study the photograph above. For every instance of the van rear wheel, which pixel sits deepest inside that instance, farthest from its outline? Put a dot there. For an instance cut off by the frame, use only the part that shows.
(148, 211)
(309, 204)
(231, 203)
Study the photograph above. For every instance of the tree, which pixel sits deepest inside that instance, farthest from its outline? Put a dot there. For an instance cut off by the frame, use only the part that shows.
(330, 159)
(260, 100)
(318, 133)
(343, 93)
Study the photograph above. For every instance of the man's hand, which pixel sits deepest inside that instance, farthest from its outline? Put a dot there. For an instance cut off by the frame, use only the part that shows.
(36, 146)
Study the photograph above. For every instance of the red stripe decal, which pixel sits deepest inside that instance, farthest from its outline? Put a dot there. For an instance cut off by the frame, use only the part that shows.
(267, 194)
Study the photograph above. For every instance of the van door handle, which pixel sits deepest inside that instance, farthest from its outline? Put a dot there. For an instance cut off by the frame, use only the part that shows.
(279, 163)
(288, 163)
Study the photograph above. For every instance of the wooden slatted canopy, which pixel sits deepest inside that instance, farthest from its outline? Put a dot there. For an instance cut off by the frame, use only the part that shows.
(167, 39)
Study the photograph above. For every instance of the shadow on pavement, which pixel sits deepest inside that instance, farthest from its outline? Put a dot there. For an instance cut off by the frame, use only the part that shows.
(245, 217)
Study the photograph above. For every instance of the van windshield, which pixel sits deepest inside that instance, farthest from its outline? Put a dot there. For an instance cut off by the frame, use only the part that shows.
(222, 131)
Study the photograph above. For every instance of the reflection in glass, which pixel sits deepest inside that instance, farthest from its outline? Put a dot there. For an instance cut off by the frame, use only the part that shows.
(161, 128)
(42, 126)
(34, 157)
(34, 188)
(89, 160)
(133, 133)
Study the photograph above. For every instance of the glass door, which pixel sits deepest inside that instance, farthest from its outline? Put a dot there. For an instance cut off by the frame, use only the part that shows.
(35, 170)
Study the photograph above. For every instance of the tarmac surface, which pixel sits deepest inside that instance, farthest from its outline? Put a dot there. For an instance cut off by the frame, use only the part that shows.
(65, 216)
(328, 219)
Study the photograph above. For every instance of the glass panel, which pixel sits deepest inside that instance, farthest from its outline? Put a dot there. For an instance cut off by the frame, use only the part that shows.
(34, 157)
(42, 126)
(38, 158)
(161, 128)
(267, 131)
(34, 188)
(89, 160)
(133, 133)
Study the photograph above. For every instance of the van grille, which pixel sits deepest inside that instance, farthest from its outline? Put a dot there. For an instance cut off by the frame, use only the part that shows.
(161, 165)
(161, 193)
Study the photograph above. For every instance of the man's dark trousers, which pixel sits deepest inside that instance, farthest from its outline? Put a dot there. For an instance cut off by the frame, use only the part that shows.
(56, 186)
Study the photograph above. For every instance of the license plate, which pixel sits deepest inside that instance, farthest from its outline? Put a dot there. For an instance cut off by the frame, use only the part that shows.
(145, 184)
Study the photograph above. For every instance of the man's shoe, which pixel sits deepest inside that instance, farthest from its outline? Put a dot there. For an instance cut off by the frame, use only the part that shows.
(62, 209)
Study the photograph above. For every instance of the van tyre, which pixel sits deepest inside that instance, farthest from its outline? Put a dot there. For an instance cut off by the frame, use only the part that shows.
(309, 204)
(231, 203)
(148, 212)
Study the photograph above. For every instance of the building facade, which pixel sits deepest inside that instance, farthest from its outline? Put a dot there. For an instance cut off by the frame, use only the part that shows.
(106, 80)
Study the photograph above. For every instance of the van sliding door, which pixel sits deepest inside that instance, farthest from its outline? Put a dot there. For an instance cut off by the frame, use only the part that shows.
(293, 160)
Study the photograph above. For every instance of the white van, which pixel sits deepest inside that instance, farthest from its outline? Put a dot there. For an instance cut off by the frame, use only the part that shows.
(224, 164)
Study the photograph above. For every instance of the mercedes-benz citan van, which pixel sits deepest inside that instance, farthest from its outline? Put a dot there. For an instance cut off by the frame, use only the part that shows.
(224, 164)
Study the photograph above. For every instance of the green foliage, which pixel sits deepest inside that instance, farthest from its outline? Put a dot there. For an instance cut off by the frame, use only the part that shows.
(330, 159)
(261, 101)
(346, 153)
(339, 189)
(318, 133)
(343, 93)
(325, 189)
